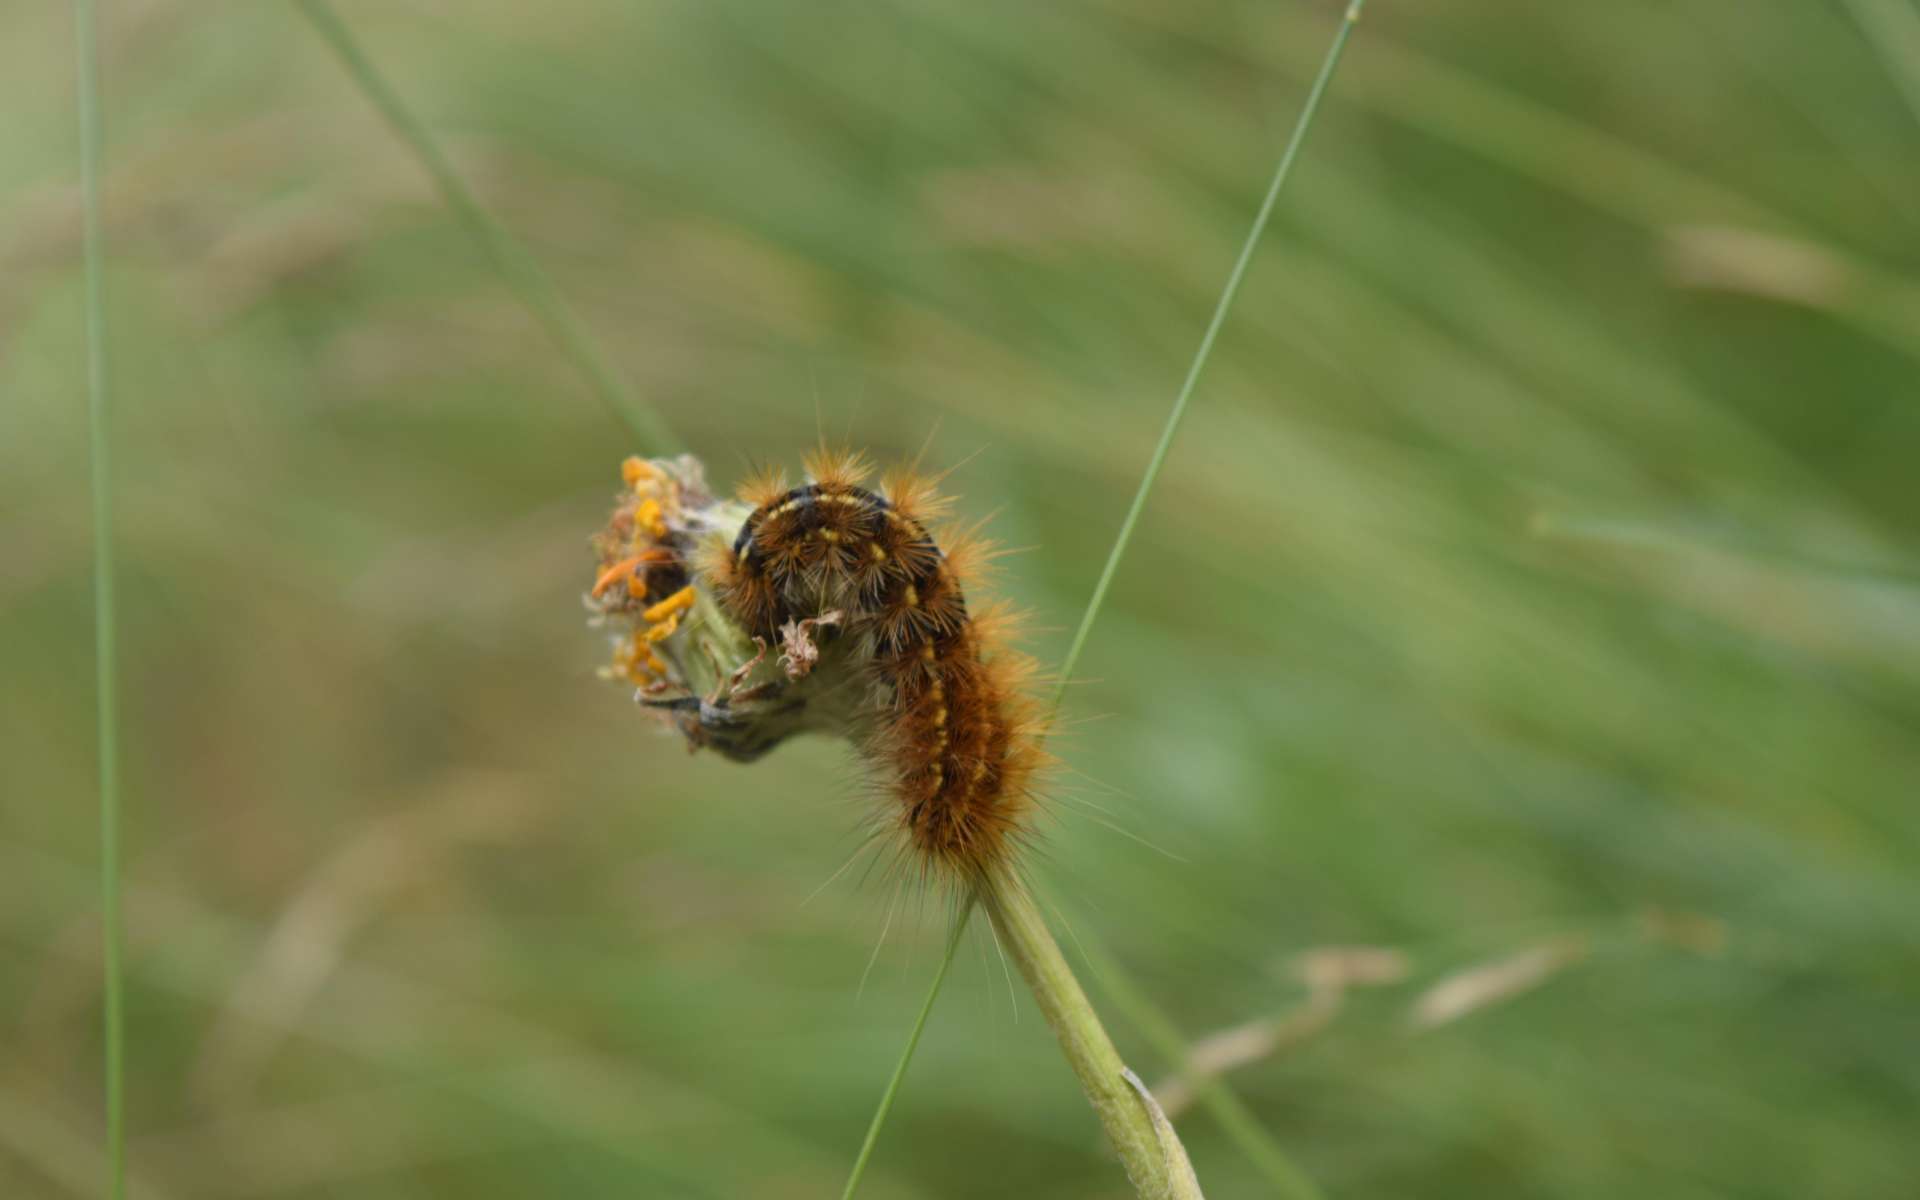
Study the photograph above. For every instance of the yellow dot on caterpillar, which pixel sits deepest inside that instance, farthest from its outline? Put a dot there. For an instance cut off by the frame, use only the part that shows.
(784, 509)
(926, 653)
(979, 771)
(879, 555)
(940, 715)
(828, 535)
(913, 597)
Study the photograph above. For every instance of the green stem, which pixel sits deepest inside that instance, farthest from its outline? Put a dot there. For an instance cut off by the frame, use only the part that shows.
(906, 1056)
(1155, 1161)
(1236, 1120)
(521, 272)
(105, 648)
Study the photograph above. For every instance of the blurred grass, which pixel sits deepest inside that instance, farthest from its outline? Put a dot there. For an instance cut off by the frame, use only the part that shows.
(418, 908)
(517, 268)
(106, 625)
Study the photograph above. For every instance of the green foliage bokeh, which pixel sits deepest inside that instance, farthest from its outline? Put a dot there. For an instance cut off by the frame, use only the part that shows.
(1541, 561)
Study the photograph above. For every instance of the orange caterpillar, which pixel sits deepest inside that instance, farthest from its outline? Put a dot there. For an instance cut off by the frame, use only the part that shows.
(949, 718)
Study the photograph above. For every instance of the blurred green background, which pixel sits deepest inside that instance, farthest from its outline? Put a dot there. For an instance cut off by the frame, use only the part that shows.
(1539, 575)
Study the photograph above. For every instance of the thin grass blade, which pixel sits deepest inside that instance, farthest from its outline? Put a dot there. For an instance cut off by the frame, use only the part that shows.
(906, 1056)
(105, 624)
(1266, 1153)
(1200, 357)
(517, 267)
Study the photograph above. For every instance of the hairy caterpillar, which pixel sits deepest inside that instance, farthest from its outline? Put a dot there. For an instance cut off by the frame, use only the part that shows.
(878, 641)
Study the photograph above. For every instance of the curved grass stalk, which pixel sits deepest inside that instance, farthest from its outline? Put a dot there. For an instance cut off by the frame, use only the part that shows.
(517, 267)
(1155, 1161)
(105, 622)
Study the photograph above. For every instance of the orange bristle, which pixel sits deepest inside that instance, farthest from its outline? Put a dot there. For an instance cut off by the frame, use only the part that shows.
(970, 556)
(915, 496)
(837, 469)
(746, 593)
(765, 485)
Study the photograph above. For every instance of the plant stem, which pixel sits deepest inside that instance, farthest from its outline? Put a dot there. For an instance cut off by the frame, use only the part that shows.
(1155, 1161)
(105, 649)
(1236, 1120)
(519, 268)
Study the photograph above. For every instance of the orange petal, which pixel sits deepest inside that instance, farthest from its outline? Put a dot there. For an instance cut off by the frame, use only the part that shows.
(608, 577)
(636, 470)
(647, 516)
(680, 601)
(626, 566)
